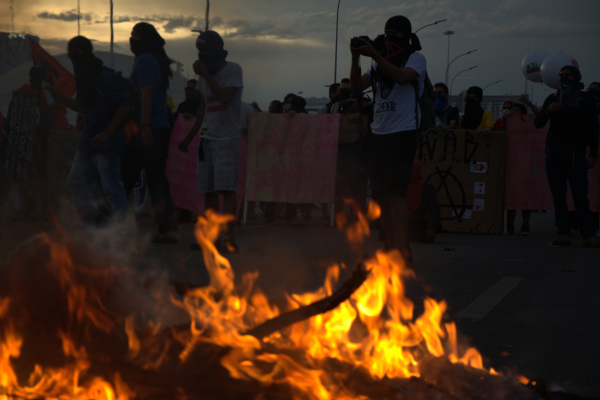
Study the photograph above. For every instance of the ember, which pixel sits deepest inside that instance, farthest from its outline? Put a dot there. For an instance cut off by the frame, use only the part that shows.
(359, 341)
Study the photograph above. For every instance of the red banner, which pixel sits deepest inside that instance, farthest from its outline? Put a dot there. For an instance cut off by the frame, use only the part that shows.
(64, 81)
(526, 186)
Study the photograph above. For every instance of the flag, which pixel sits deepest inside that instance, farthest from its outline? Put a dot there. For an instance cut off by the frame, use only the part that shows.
(64, 81)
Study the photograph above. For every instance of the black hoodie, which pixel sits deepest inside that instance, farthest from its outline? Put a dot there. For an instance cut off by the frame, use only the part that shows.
(571, 130)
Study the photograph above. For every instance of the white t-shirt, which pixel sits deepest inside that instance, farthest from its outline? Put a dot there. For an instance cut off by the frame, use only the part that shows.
(395, 109)
(247, 109)
(222, 121)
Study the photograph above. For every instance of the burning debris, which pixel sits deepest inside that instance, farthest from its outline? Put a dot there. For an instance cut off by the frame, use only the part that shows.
(63, 335)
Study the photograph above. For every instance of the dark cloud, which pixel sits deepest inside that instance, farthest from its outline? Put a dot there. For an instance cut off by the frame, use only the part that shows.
(69, 16)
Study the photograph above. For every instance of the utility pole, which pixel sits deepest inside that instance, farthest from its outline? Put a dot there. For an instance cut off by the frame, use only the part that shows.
(78, 13)
(207, 9)
(112, 37)
(448, 33)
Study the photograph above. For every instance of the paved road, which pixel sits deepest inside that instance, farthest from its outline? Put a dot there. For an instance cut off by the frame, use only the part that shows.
(528, 305)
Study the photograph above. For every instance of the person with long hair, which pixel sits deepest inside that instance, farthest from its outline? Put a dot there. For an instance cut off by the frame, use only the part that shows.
(148, 150)
(95, 179)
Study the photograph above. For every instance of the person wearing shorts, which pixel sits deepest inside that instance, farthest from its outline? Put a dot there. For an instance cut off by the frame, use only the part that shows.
(397, 76)
(219, 117)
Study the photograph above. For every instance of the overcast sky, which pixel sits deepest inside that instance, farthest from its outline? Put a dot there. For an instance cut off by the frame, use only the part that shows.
(288, 46)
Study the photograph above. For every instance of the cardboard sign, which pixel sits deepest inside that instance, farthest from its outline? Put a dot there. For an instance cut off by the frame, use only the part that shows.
(24, 115)
(292, 158)
(448, 162)
(526, 181)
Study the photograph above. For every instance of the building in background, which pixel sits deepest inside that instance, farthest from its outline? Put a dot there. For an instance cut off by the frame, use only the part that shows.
(314, 104)
(14, 50)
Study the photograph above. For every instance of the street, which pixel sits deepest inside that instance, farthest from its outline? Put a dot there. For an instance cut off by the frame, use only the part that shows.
(524, 304)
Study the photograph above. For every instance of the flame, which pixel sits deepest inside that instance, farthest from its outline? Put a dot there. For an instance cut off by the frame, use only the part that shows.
(375, 329)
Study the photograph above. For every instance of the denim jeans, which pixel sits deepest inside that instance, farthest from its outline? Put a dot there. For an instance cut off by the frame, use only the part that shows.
(94, 181)
(563, 166)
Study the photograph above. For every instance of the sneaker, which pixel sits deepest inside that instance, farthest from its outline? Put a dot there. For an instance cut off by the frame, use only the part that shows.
(510, 230)
(562, 240)
(594, 242)
(164, 238)
(525, 230)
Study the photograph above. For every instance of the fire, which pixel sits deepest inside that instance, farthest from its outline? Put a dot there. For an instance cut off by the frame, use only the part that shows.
(375, 330)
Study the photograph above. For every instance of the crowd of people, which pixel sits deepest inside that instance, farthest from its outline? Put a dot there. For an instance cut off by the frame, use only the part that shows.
(127, 128)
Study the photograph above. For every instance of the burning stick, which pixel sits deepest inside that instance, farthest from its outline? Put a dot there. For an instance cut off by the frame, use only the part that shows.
(322, 306)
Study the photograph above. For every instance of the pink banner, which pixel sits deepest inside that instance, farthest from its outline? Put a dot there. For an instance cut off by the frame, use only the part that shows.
(292, 158)
(526, 186)
(181, 170)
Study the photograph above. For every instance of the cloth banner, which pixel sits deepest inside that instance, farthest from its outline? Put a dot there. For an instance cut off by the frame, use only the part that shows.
(526, 182)
(181, 170)
(24, 113)
(292, 157)
(64, 81)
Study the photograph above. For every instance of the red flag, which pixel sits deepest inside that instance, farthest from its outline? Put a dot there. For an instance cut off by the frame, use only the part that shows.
(64, 81)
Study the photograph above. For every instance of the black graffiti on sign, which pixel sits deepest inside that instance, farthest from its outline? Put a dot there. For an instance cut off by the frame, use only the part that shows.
(458, 206)
(470, 143)
(428, 143)
(24, 116)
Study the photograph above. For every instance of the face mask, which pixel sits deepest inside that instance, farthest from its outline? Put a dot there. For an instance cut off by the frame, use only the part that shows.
(345, 93)
(569, 93)
(138, 47)
(211, 62)
(505, 113)
(440, 101)
(395, 44)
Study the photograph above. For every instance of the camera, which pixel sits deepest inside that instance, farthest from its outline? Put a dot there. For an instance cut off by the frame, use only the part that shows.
(347, 103)
(356, 42)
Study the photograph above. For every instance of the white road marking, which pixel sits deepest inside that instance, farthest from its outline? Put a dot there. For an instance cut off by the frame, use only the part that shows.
(488, 300)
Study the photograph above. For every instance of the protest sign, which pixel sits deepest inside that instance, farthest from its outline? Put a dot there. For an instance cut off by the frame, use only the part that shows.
(181, 170)
(526, 182)
(24, 115)
(467, 170)
(292, 157)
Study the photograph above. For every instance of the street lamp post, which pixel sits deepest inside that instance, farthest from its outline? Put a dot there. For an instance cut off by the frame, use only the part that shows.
(336, 41)
(464, 70)
(448, 67)
(436, 22)
(448, 33)
(493, 83)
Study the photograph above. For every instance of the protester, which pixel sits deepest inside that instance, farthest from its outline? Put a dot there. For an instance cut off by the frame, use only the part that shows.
(447, 114)
(500, 124)
(395, 122)
(95, 177)
(423, 208)
(220, 115)
(148, 151)
(334, 90)
(276, 107)
(573, 126)
(350, 176)
(189, 107)
(475, 117)
(31, 197)
(3, 138)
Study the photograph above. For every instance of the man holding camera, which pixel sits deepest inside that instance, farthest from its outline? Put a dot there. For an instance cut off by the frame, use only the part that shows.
(395, 122)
